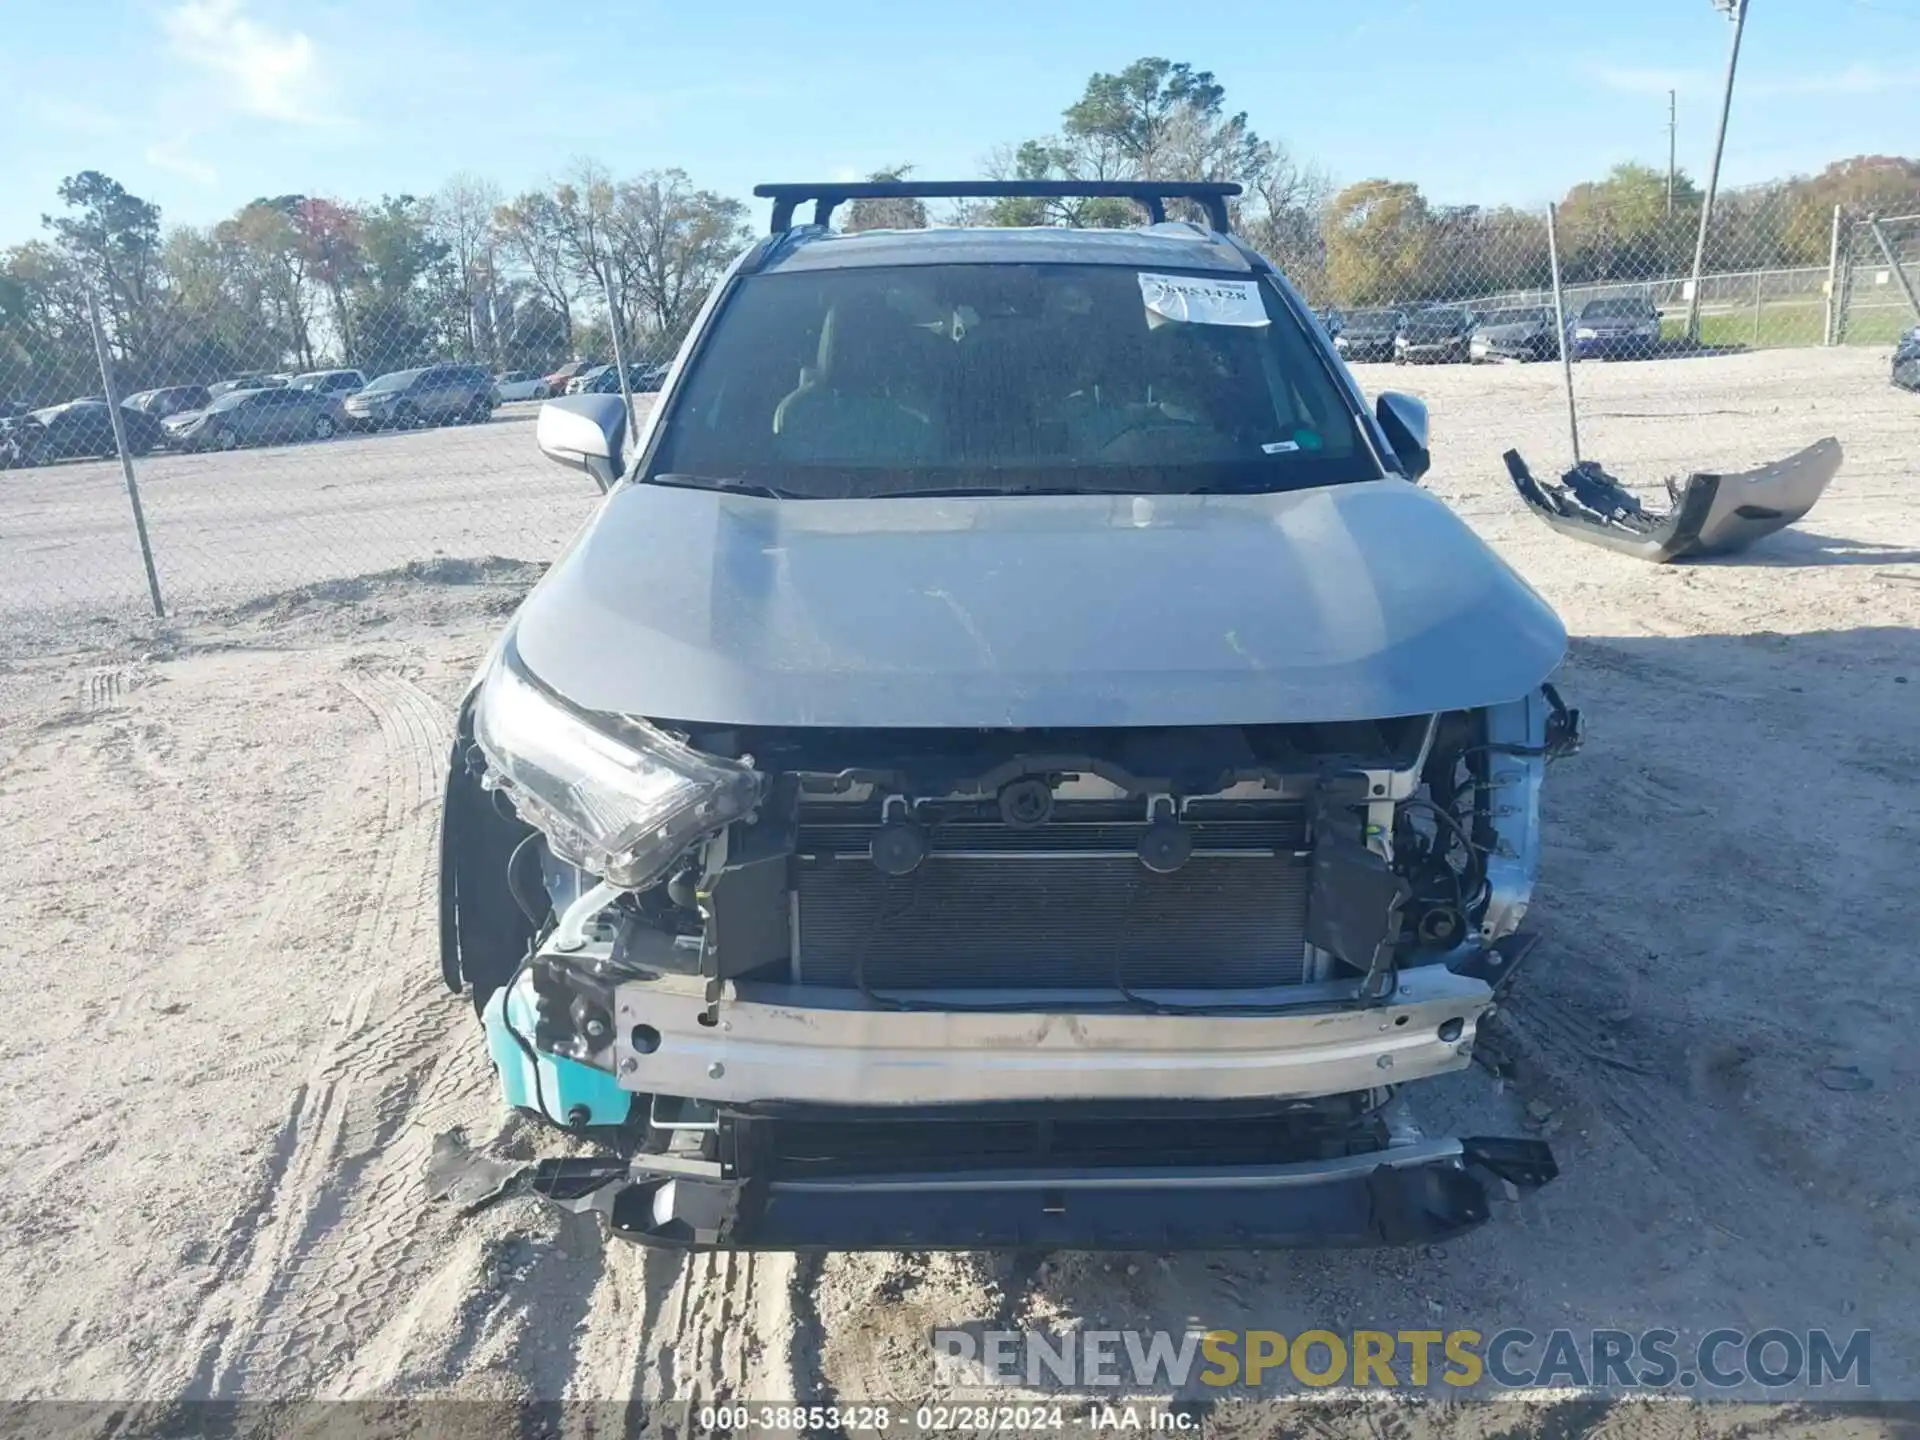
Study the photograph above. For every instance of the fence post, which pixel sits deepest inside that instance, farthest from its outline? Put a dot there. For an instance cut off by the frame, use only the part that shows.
(1739, 11)
(111, 390)
(1756, 308)
(1831, 334)
(1893, 263)
(1560, 326)
(620, 365)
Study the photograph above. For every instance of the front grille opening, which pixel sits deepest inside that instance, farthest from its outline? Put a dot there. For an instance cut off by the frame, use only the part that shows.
(817, 1147)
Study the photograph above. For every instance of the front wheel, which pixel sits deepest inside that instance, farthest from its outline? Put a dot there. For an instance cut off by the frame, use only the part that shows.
(405, 417)
(479, 413)
(226, 439)
(323, 427)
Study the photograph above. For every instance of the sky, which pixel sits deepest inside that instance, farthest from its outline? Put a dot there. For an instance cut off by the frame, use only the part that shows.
(202, 105)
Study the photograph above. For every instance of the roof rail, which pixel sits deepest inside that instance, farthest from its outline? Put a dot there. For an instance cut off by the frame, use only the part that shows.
(1150, 195)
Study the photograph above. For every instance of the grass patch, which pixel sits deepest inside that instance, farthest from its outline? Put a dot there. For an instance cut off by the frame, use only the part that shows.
(1782, 326)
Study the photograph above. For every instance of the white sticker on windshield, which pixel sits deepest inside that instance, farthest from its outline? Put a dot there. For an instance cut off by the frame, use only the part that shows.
(1198, 300)
(1280, 447)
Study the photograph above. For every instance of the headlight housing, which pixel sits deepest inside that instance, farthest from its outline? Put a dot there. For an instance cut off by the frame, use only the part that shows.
(1585, 332)
(615, 796)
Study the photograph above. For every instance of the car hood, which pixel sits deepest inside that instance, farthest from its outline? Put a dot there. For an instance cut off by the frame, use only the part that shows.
(1340, 603)
(1420, 334)
(181, 419)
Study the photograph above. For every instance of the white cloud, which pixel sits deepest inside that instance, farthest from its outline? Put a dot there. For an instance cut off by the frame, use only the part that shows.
(269, 73)
(167, 155)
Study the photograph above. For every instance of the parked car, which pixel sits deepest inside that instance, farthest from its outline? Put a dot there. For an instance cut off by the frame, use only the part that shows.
(1526, 332)
(944, 798)
(558, 381)
(252, 381)
(586, 377)
(641, 380)
(278, 415)
(1619, 327)
(1437, 335)
(521, 385)
(341, 383)
(76, 429)
(1906, 360)
(431, 395)
(169, 400)
(1368, 334)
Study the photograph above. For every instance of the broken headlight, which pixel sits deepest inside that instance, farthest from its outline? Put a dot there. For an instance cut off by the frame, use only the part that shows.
(618, 797)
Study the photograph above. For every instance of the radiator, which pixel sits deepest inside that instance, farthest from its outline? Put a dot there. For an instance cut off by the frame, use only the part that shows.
(1058, 906)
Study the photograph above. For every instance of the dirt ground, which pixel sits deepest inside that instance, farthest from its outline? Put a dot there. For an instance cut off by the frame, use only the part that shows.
(230, 1048)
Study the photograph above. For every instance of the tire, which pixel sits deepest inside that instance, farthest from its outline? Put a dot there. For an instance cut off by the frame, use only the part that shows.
(405, 417)
(225, 439)
(323, 428)
(479, 412)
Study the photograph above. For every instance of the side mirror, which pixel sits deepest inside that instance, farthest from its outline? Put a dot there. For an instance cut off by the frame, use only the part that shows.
(1404, 419)
(584, 432)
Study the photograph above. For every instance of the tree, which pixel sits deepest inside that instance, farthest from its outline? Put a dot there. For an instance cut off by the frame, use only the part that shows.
(1281, 219)
(1619, 227)
(112, 239)
(1135, 111)
(530, 238)
(330, 234)
(583, 224)
(1861, 185)
(463, 221)
(1378, 234)
(264, 237)
(895, 214)
(671, 243)
(1157, 119)
(395, 320)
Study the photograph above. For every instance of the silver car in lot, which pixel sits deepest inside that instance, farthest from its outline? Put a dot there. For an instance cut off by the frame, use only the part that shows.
(1016, 760)
(277, 416)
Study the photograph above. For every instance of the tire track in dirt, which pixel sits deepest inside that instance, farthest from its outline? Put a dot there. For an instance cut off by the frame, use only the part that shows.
(334, 1230)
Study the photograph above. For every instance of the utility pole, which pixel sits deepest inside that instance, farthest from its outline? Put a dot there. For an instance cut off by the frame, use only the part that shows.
(1672, 141)
(1736, 10)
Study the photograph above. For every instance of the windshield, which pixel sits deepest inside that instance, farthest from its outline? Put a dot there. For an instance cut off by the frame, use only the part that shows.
(1624, 309)
(233, 399)
(398, 380)
(1373, 320)
(1451, 319)
(1519, 317)
(1008, 377)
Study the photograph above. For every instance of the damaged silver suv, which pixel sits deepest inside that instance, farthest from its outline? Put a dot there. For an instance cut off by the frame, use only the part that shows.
(1015, 761)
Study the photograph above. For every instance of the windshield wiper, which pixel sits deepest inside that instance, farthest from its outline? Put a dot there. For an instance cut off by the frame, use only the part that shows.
(728, 483)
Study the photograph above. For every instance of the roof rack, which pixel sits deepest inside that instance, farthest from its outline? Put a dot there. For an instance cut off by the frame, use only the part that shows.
(1150, 195)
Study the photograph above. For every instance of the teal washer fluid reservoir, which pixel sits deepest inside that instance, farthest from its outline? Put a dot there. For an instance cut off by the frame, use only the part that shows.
(562, 1085)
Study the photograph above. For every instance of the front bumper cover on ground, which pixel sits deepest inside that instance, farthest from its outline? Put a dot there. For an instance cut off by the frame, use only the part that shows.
(1423, 1192)
(1711, 514)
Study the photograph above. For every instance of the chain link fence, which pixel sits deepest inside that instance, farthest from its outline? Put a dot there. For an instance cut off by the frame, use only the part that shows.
(310, 392)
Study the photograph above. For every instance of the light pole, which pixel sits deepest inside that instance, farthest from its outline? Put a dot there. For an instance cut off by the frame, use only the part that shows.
(1735, 10)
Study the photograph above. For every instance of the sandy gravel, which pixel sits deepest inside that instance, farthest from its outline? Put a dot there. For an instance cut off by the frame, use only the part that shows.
(230, 1049)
